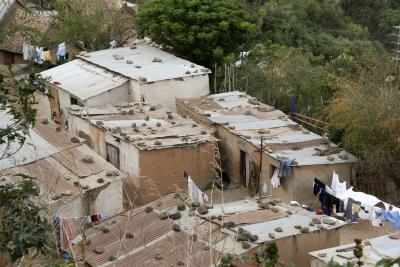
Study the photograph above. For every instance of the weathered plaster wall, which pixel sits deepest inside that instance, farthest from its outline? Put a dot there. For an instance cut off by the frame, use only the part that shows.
(117, 95)
(110, 200)
(293, 250)
(304, 176)
(165, 167)
(165, 92)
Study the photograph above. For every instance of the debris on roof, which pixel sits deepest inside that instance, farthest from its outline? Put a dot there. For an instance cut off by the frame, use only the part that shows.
(250, 120)
(50, 156)
(84, 80)
(158, 236)
(374, 250)
(145, 126)
(155, 64)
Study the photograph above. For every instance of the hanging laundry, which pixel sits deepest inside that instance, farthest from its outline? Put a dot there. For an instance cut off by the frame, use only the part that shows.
(326, 202)
(194, 193)
(113, 44)
(46, 56)
(338, 187)
(38, 55)
(338, 204)
(70, 228)
(25, 51)
(62, 51)
(317, 186)
(352, 210)
(285, 168)
(393, 217)
(275, 181)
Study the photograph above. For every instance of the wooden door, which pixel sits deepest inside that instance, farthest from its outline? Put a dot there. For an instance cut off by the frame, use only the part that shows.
(55, 105)
(112, 155)
(8, 58)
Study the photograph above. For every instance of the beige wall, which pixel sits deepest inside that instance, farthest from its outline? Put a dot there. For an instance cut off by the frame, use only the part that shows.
(304, 176)
(293, 250)
(298, 188)
(165, 167)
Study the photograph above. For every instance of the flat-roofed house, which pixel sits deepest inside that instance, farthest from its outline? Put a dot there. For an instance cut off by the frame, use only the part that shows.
(152, 145)
(240, 121)
(139, 73)
(74, 181)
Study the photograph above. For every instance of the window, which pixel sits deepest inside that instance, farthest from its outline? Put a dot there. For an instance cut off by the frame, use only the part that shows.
(74, 101)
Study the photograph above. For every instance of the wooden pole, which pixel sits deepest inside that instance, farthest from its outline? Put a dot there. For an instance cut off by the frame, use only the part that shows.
(260, 168)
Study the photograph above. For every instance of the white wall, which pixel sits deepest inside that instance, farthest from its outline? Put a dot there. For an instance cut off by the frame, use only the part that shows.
(165, 92)
(135, 91)
(116, 95)
(128, 156)
(64, 100)
(43, 106)
(110, 200)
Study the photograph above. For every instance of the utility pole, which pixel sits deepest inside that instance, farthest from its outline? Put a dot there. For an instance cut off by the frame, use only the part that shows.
(260, 168)
(396, 43)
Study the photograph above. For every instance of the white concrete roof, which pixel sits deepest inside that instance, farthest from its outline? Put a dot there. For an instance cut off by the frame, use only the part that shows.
(249, 119)
(380, 248)
(34, 148)
(306, 156)
(171, 66)
(83, 80)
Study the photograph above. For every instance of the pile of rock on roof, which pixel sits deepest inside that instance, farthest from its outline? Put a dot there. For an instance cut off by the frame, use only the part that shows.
(146, 126)
(173, 231)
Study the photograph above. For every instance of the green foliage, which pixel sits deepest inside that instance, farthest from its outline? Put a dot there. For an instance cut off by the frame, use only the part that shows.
(22, 226)
(267, 255)
(368, 112)
(18, 97)
(388, 262)
(93, 23)
(204, 31)
(378, 15)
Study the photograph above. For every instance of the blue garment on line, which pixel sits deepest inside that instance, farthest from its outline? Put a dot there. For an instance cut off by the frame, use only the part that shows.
(393, 217)
(285, 168)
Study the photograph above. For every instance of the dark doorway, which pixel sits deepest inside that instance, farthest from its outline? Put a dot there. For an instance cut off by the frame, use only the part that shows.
(112, 155)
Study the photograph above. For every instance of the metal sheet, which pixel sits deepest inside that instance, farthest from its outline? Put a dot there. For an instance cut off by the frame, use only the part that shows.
(84, 80)
(171, 66)
(287, 224)
(306, 156)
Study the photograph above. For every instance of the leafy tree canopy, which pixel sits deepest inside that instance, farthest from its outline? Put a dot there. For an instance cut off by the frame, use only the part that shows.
(22, 227)
(92, 23)
(204, 31)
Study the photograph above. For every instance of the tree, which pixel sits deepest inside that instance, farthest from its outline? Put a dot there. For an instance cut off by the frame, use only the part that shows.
(203, 31)
(368, 113)
(93, 23)
(22, 227)
(18, 98)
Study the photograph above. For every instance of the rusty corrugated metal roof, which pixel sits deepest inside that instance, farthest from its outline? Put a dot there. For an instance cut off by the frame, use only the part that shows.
(49, 132)
(72, 160)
